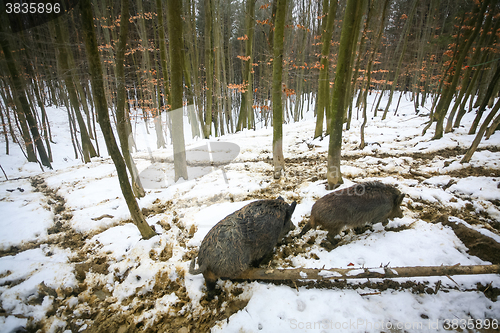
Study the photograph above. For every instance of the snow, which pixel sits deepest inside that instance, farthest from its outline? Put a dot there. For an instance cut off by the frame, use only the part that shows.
(40, 272)
(24, 208)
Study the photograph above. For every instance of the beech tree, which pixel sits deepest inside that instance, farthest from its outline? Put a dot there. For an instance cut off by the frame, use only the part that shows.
(246, 111)
(101, 106)
(279, 27)
(174, 22)
(342, 84)
(22, 104)
(121, 113)
(453, 74)
(323, 100)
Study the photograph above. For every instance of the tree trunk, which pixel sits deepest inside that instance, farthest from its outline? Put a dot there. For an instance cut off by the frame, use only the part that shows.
(121, 112)
(466, 81)
(103, 116)
(323, 99)
(88, 149)
(486, 97)
(209, 72)
(479, 135)
(342, 83)
(279, 31)
(365, 273)
(493, 127)
(174, 22)
(403, 50)
(19, 92)
(246, 96)
(449, 90)
(193, 56)
(4, 128)
(369, 72)
(147, 69)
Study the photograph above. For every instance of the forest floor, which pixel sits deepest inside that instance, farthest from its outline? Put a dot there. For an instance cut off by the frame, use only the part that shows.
(72, 261)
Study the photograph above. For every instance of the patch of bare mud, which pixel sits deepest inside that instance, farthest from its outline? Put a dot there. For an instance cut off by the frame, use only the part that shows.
(144, 313)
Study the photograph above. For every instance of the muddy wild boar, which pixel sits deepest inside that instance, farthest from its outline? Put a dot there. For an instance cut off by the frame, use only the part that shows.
(242, 239)
(355, 206)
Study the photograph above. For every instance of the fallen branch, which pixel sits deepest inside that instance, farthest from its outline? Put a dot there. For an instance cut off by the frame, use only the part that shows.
(102, 217)
(364, 273)
(421, 174)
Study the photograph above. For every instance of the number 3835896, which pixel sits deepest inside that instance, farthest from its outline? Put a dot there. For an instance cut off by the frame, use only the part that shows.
(32, 8)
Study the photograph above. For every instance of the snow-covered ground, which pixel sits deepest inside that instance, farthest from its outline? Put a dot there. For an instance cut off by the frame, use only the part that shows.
(72, 261)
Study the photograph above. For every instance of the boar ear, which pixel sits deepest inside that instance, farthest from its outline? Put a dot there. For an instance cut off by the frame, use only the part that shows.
(280, 198)
(399, 199)
(289, 211)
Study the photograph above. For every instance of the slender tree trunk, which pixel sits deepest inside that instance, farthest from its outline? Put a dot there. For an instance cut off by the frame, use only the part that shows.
(493, 127)
(87, 147)
(279, 30)
(482, 107)
(466, 81)
(246, 96)
(479, 135)
(121, 112)
(350, 91)
(193, 56)
(19, 92)
(369, 71)
(342, 83)
(209, 72)
(45, 122)
(403, 50)
(218, 50)
(174, 22)
(102, 113)
(147, 69)
(4, 128)
(163, 50)
(449, 90)
(323, 99)
(21, 123)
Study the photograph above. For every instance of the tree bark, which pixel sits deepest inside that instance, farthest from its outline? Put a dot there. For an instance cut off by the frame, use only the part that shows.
(369, 72)
(246, 96)
(121, 95)
(208, 68)
(103, 116)
(466, 81)
(323, 98)
(279, 31)
(174, 22)
(19, 92)
(88, 149)
(342, 83)
(449, 90)
(484, 103)
(365, 273)
(403, 50)
(482, 130)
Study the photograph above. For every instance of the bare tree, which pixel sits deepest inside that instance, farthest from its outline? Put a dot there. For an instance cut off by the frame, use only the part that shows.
(279, 31)
(174, 21)
(101, 106)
